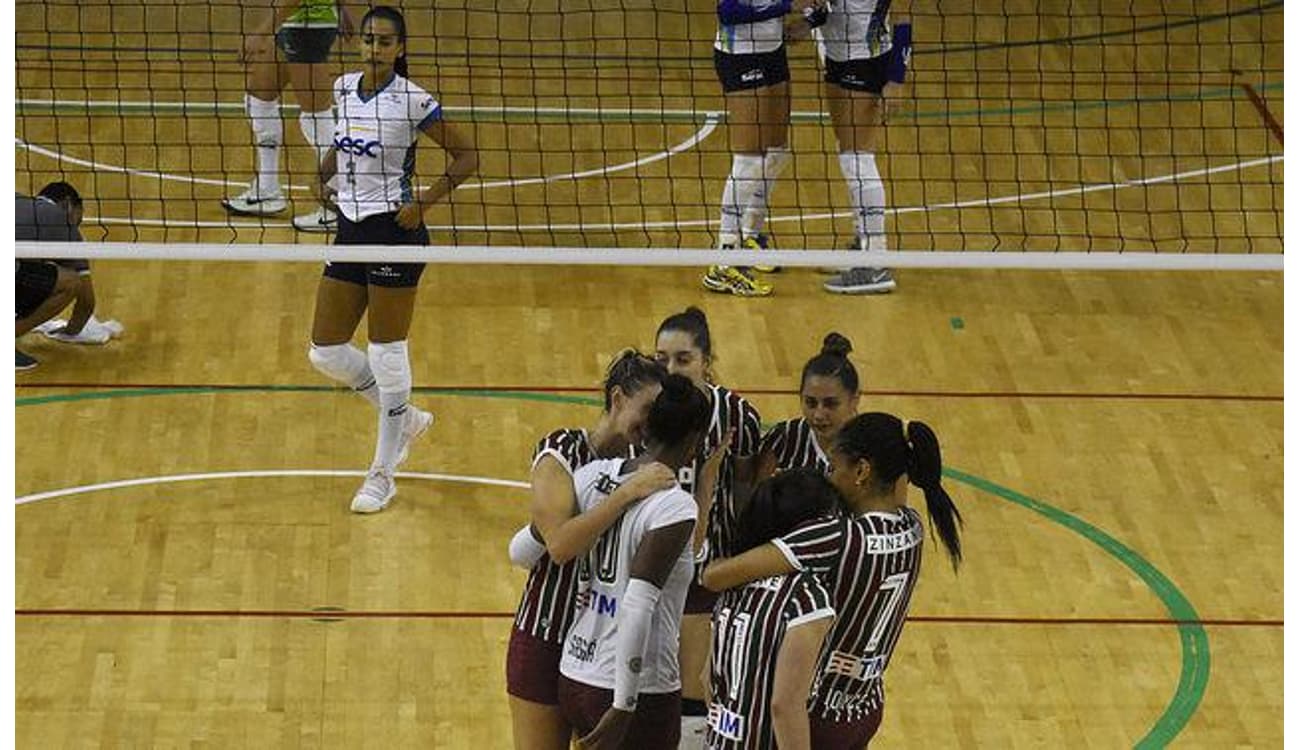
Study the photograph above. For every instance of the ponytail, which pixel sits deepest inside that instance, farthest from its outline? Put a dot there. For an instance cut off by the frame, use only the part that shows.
(925, 471)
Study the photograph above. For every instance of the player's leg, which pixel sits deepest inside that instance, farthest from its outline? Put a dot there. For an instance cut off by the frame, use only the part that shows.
(533, 686)
(340, 303)
(538, 726)
(774, 129)
(853, 95)
(311, 81)
(263, 82)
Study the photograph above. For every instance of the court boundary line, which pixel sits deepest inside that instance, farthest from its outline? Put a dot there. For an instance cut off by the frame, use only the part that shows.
(1194, 641)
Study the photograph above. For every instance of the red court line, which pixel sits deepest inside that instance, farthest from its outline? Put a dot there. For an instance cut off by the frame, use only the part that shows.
(1269, 120)
(749, 391)
(472, 615)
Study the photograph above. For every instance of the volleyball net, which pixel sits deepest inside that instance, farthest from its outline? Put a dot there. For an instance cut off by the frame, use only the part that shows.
(1028, 135)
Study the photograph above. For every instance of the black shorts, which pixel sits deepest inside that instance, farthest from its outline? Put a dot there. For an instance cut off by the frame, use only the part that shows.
(743, 72)
(380, 229)
(869, 75)
(305, 44)
(34, 284)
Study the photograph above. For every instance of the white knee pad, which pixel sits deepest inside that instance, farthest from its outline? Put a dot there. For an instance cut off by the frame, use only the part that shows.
(342, 362)
(268, 130)
(318, 130)
(391, 365)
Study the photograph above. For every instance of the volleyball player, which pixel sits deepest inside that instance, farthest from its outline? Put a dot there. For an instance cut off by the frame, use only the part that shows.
(767, 634)
(288, 46)
(750, 60)
(620, 685)
(556, 536)
(828, 397)
(685, 346)
(866, 62)
(43, 288)
(871, 558)
(381, 116)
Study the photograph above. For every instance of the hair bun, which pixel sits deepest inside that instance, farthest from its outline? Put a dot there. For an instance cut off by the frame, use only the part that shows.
(697, 313)
(835, 343)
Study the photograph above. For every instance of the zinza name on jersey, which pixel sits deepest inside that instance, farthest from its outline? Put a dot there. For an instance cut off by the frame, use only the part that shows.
(883, 544)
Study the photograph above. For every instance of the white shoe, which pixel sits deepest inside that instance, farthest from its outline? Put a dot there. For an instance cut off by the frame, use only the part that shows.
(252, 203)
(320, 220)
(417, 423)
(375, 492)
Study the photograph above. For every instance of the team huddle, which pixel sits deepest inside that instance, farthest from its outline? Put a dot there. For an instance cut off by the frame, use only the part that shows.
(796, 548)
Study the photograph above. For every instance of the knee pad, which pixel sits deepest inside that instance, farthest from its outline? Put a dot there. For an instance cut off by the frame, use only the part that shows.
(391, 365)
(268, 131)
(342, 362)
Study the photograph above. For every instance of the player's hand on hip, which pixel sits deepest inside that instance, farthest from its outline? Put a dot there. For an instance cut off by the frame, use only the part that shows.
(410, 216)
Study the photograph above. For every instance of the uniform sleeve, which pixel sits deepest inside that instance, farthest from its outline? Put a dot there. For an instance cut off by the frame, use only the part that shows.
(560, 445)
(747, 441)
(809, 602)
(671, 507)
(813, 547)
(422, 109)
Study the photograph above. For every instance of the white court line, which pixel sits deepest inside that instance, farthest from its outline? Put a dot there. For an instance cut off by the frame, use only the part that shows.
(800, 218)
(144, 481)
(710, 124)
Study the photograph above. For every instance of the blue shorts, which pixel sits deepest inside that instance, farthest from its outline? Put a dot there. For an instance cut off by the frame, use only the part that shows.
(379, 229)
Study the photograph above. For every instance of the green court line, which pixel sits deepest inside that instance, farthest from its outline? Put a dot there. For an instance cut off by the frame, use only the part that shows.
(489, 114)
(1194, 641)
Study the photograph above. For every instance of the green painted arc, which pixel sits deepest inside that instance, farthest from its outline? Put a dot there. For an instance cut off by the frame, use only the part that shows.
(1195, 645)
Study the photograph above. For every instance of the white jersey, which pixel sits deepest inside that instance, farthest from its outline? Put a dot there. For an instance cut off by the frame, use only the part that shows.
(855, 30)
(589, 647)
(375, 137)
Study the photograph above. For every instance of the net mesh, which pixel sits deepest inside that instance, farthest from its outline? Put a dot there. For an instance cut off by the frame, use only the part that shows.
(1026, 126)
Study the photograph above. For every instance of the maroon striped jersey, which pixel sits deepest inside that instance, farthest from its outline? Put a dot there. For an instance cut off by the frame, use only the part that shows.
(728, 411)
(749, 624)
(795, 446)
(546, 607)
(870, 563)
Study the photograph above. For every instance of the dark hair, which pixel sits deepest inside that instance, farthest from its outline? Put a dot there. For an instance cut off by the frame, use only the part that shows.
(390, 13)
(631, 371)
(833, 362)
(781, 503)
(61, 192)
(690, 321)
(892, 451)
(681, 411)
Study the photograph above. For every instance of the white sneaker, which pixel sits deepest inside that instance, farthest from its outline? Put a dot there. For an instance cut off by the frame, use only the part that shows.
(252, 203)
(320, 220)
(375, 492)
(417, 423)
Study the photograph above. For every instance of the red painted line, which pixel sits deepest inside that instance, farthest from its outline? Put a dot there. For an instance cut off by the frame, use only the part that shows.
(749, 391)
(1262, 108)
(471, 615)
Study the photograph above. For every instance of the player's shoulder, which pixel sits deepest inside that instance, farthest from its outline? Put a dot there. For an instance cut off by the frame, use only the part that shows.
(734, 402)
(604, 470)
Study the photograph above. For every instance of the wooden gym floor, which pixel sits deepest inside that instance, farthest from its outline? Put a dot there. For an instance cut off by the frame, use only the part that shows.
(1114, 440)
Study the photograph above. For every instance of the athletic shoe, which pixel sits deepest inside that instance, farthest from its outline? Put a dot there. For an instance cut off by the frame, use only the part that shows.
(759, 242)
(320, 220)
(735, 280)
(861, 281)
(251, 203)
(416, 424)
(24, 361)
(375, 492)
(862, 244)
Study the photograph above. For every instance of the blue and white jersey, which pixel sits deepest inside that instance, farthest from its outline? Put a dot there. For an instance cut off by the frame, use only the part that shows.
(855, 30)
(754, 37)
(375, 137)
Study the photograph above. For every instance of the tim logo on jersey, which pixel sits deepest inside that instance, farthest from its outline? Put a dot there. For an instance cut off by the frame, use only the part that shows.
(357, 146)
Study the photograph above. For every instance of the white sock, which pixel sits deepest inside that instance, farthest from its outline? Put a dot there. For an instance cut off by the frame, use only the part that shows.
(775, 160)
(392, 367)
(746, 178)
(318, 130)
(268, 135)
(348, 365)
(867, 194)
